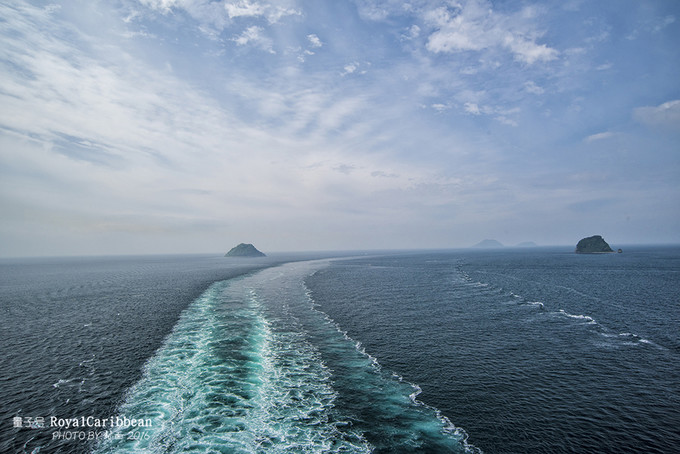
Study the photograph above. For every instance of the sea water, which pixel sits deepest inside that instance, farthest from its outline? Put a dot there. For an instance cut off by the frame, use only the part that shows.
(75, 333)
(535, 350)
(252, 366)
(538, 350)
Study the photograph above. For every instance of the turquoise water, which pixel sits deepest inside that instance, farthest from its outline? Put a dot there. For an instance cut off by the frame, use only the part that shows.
(252, 367)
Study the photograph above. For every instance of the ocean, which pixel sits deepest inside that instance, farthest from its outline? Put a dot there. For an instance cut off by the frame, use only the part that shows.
(503, 351)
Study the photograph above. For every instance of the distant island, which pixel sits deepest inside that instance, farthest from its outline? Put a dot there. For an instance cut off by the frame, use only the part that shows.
(593, 245)
(488, 244)
(244, 250)
(527, 244)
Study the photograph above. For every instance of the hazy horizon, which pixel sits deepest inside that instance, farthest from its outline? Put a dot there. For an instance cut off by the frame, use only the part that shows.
(137, 127)
(341, 252)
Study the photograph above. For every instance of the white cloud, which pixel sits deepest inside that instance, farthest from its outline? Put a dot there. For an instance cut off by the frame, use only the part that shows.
(210, 15)
(665, 116)
(599, 136)
(163, 5)
(654, 25)
(351, 68)
(314, 43)
(575, 51)
(244, 8)
(572, 5)
(99, 133)
(314, 40)
(474, 26)
(217, 15)
(273, 12)
(378, 10)
(383, 174)
(507, 121)
(472, 108)
(302, 57)
(531, 87)
(501, 114)
(663, 23)
(107, 134)
(254, 36)
(527, 51)
(412, 32)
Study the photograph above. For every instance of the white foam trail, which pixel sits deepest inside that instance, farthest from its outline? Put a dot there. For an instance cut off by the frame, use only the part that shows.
(636, 340)
(241, 372)
(631, 338)
(589, 319)
(267, 386)
(63, 382)
(448, 427)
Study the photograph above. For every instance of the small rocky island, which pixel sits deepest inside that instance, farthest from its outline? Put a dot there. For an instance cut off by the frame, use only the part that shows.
(593, 245)
(244, 250)
(527, 244)
(489, 244)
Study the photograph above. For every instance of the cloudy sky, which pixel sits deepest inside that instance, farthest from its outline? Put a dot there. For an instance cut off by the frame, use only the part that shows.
(163, 126)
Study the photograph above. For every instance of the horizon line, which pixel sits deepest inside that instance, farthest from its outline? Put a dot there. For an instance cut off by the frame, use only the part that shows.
(329, 251)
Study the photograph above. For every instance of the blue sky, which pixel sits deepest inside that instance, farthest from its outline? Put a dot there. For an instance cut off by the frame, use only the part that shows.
(157, 126)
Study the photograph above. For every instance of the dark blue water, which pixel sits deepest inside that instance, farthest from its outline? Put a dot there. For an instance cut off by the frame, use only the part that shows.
(528, 350)
(535, 350)
(75, 333)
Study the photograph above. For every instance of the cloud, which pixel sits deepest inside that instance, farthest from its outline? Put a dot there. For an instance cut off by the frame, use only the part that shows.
(663, 23)
(344, 168)
(379, 10)
(165, 6)
(314, 40)
(211, 15)
(97, 133)
(218, 15)
(244, 8)
(527, 51)
(592, 205)
(254, 36)
(472, 108)
(572, 5)
(382, 174)
(123, 132)
(664, 116)
(474, 26)
(531, 87)
(71, 96)
(412, 32)
(501, 114)
(507, 121)
(314, 43)
(108, 134)
(351, 68)
(654, 25)
(599, 136)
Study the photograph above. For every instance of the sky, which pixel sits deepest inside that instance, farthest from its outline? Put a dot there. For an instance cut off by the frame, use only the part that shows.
(189, 126)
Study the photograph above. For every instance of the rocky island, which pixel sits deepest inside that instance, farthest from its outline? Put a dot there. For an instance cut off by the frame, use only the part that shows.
(488, 244)
(527, 244)
(593, 245)
(244, 250)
